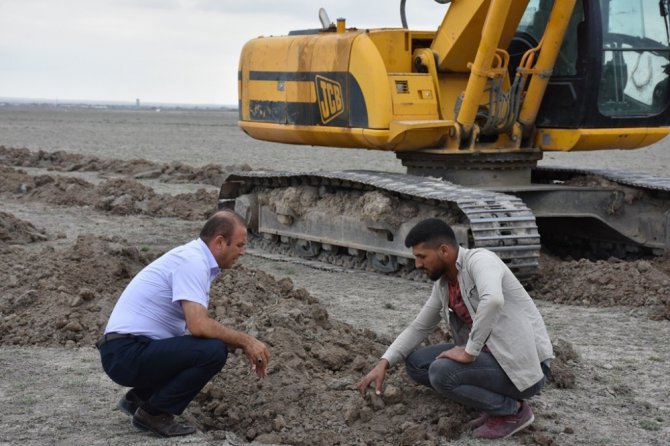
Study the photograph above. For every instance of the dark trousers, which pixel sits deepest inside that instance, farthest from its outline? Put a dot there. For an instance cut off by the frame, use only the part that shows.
(166, 373)
(482, 384)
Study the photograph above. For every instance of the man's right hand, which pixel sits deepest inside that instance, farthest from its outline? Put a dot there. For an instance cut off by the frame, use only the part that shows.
(376, 376)
(201, 325)
(258, 355)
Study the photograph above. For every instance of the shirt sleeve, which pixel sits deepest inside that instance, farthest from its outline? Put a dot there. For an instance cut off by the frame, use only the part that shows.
(422, 326)
(487, 273)
(190, 281)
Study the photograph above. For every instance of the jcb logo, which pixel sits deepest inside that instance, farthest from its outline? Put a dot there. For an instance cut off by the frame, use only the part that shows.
(329, 93)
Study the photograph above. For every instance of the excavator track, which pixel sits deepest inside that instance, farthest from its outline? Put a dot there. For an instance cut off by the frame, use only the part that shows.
(496, 221)
(599, 213)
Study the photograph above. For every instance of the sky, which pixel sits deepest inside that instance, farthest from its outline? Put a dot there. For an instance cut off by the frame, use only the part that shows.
(167, 51)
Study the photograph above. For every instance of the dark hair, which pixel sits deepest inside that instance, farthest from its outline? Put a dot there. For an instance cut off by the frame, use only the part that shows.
(221, 223)
(433, 232)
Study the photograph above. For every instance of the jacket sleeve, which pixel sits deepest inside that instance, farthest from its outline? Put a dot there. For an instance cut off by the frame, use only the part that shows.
(487, 273)
(422, 326)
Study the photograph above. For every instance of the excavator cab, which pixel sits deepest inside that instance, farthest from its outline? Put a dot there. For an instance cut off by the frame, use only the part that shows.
(612, 70)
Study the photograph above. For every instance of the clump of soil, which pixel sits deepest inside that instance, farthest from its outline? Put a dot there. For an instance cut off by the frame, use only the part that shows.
(373, 206)
(16, 231)
(176, 172)
(562, 374)
(291, 201)
(605, 283)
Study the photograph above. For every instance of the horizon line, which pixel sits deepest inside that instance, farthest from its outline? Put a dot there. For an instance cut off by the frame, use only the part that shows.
(51, 101)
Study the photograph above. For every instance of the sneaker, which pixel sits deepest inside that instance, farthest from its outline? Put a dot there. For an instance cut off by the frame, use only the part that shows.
(479, 421)
(163, 425)
(129, 403)
(507, 425)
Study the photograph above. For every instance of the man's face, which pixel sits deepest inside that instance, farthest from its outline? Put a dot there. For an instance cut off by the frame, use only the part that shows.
(431, 260)
(230, 250)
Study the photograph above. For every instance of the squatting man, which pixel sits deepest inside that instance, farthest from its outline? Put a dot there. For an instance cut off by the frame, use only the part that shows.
(145, 345)
(501, 350)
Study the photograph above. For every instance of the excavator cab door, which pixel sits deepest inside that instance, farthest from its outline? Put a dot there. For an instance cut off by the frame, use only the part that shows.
(613, 67)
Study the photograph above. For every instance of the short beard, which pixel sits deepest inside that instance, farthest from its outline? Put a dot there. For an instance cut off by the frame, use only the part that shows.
(436, 275)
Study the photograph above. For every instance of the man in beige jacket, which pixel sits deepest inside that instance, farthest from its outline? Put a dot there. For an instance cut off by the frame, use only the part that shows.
(500, 350)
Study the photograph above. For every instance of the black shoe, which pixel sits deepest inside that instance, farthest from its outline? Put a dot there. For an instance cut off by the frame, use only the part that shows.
(163, 425)
(129, 403)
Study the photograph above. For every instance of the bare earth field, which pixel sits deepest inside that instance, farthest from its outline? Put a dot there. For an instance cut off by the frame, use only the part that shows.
(90, 196)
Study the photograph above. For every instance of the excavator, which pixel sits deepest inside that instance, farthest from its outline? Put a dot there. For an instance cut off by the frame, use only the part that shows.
(469, 110)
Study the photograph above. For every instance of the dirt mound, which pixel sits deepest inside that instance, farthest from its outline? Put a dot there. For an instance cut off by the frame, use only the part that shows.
(63, 297)
(118, 196)
(316, 361)
(606, 283)
(123, 197)
(310, 397)
(16, 231)
(176, 172)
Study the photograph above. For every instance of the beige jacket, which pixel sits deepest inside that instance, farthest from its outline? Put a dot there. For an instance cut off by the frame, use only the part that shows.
(503, 314)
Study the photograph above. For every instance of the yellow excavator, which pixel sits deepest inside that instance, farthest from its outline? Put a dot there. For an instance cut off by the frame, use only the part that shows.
(469, 109)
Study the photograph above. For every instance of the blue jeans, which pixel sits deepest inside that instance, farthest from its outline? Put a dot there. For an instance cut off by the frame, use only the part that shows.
(482, 384)
(166, 373)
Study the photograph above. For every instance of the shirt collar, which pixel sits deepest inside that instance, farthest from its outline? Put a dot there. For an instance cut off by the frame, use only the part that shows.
(211, 261)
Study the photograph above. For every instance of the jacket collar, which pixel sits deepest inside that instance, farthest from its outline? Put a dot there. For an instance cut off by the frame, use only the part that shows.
(460, 258)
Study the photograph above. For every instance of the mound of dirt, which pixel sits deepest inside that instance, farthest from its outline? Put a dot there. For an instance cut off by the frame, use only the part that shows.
(310, 396)
(176, 172)
(123, 197)
(118, 196)
(16, 231)
(65, 297)
(605, 283)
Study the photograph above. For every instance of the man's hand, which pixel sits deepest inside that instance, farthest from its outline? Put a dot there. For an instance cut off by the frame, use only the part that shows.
(457, 354)
(258, 356)
(201, 325)
(376, 375)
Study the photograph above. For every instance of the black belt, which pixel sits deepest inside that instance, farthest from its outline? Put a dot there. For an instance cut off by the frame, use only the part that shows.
(112, 337)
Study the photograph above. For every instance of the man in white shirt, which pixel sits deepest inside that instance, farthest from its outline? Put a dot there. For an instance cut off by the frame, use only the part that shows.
(500, 350)
(146, 345)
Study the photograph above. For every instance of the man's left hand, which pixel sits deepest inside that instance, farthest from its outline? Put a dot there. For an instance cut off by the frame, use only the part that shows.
(457, 354)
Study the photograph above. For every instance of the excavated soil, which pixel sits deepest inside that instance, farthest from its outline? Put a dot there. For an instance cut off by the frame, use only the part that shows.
(15, 231)
(605, 283)
(69, 244)
(309, 397)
